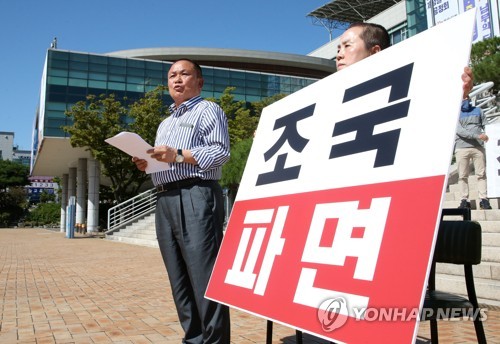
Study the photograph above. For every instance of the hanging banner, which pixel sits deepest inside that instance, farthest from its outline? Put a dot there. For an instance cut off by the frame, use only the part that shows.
(334, 224)
(439, 11)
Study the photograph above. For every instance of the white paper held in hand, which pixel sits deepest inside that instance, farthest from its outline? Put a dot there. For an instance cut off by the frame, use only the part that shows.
(134, 145)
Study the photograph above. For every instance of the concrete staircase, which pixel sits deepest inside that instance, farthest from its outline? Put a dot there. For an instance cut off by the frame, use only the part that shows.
(487, 274)
(140, 232)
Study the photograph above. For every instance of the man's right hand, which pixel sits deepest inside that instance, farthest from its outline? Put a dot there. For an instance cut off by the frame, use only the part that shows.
(140, 163)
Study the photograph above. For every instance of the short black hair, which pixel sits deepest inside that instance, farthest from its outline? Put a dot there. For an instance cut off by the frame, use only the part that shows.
(196, 66)
(373, 34)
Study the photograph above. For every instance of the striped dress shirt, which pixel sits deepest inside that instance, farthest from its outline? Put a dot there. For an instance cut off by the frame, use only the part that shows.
(200, 126)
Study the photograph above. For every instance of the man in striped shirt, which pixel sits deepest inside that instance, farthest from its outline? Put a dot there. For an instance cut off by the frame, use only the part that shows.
(194, 142)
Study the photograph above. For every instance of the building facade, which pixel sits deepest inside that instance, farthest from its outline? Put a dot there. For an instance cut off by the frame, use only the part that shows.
(69, 77)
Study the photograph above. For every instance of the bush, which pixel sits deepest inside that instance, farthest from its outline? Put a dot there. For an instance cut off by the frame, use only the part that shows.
(45, 213)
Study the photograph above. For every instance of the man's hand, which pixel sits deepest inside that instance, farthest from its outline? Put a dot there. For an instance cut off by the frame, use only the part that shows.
(467, 78)
(163, 153)
(140, 163)
(484, 137)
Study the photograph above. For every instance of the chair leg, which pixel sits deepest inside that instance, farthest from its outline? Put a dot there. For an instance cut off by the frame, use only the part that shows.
(434, 331)
(298, 336)
(471, 292)
(269, 332)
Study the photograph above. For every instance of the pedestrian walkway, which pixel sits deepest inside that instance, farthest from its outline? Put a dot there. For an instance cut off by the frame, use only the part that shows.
(90, 290)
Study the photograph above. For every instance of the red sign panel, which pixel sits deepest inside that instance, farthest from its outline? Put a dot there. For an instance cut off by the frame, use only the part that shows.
(366, 246)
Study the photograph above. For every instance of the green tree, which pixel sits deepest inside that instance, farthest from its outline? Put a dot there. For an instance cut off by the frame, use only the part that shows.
(485, 61)
(257, 107)
(44, 214)
(13, 200)
(99, 118)
(232, 171)
(13, 203)
(241, 122)
(13, 174)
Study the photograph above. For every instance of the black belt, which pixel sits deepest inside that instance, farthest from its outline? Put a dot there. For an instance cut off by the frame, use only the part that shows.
(178, 184)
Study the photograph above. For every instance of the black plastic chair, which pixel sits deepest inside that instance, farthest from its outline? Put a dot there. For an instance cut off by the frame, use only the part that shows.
(458, 242)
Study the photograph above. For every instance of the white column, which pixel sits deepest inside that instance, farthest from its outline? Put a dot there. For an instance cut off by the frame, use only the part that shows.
(81, 187)
(94, 174)
(64, 201)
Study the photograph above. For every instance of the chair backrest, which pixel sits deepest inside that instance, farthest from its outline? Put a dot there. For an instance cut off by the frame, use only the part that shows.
(458, 242)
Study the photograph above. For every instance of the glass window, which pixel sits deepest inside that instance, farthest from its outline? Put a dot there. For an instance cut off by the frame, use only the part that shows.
(94, 67)
(78, 65)
(207, 71)
(252, 76)
(117, 70)
(97, 84)
(153, 66)
(135, 71)
(154, 74)
(221, 73)
(79, 57)
(58, 64)
(119, 78)
(58, 54)
(117, 62)
(57, 81)
(255, 84)
(135, 80)
(77, 90)
(116, 86)
(236, 82)
(77, 82)
(78, 74)
(56, 97)
(55, 114)
(58, 72)
(136, 63)
(55, 106)
(237, 75)
(135, 88)
(96, 91)
(98, 59)
(75, 98)
(98, 76)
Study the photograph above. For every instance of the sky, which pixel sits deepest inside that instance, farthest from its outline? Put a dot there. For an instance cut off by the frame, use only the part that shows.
(27, 28)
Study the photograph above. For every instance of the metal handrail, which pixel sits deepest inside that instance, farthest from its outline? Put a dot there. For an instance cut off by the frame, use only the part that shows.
(130, 210)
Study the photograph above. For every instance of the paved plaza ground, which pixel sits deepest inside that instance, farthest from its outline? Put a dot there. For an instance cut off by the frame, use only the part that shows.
(90, 290)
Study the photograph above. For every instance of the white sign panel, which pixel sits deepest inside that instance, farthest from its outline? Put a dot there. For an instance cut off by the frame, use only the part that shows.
(333, 227)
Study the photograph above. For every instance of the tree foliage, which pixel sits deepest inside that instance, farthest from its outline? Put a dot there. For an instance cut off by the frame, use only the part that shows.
(241, 123)
(13, 174)
(45, 213)
(99, 118)
(13, 203)
(485, 61)
(232, 171)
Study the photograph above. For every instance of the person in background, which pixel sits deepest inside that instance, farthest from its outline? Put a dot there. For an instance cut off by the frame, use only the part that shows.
(362, 40)
(469, 146)
(194, 144)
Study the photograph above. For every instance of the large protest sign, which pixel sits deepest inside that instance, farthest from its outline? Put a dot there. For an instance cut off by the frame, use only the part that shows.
(334, 223)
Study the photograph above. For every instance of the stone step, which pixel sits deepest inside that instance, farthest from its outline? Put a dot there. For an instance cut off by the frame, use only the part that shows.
(490, 254)
(487, 290)
(133, 241)
(485, 270)
(148, 236)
